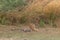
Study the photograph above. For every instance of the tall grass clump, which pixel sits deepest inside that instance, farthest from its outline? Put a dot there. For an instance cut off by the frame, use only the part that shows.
(3, 19)
(6, 5)
(8, 12)
(51, 10)
(38, 12)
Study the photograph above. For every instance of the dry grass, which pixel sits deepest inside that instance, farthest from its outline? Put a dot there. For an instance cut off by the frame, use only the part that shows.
(35, 11)
(47, 8)
(52, 7)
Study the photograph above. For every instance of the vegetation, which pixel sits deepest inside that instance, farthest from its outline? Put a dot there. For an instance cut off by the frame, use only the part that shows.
(6, 5)
(19, 12)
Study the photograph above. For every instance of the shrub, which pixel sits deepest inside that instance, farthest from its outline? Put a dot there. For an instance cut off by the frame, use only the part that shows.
(6, 5)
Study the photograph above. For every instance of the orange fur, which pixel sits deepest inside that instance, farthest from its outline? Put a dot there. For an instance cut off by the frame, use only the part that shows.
(33, 27)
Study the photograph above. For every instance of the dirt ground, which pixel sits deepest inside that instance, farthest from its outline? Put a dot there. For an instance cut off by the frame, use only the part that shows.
(14, 33)
(8, 32)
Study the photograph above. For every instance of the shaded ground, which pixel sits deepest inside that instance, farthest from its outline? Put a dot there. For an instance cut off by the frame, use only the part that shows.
(8, 32)
(14, 33)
